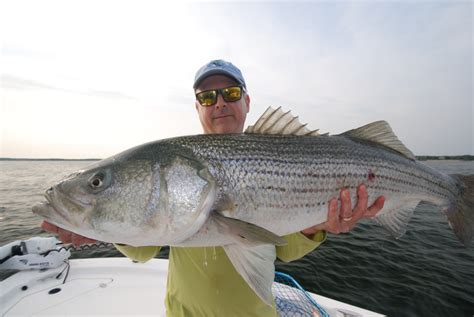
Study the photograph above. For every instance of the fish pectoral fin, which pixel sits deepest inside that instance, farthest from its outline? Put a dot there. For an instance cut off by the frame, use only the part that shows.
(396, 220)
(244, 232)
(256, 266)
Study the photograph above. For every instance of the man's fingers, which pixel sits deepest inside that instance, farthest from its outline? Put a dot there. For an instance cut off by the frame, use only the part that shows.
(88, 241)
(345, 218)
(375, 208)
(362, 201)
(332, 224)
(346, 226)
(64, 235)
(346, 204)
(78, 240)
(46, 226)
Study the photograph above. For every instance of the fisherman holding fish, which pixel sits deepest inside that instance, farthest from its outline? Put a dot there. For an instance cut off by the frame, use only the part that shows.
(202, 281)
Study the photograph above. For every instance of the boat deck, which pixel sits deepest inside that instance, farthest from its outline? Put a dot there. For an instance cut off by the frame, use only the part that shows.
(106, 286)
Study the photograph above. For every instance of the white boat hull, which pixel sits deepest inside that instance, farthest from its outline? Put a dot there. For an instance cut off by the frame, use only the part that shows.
(106, 286)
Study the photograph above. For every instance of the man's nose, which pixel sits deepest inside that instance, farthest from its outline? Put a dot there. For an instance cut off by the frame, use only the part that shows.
(220, 102)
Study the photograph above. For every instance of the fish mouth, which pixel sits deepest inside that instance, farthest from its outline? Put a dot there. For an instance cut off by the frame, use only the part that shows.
(49, 213)
(55, 209)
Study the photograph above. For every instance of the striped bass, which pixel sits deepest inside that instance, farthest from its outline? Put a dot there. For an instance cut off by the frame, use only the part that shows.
(245, 191)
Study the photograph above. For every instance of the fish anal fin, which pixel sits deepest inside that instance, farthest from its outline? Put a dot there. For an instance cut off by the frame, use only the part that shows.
(395, 220)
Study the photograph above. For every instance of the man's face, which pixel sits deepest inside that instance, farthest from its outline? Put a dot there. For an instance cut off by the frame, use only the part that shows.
(223, 117)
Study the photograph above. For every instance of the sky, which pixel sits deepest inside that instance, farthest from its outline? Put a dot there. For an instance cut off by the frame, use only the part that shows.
(88, 79)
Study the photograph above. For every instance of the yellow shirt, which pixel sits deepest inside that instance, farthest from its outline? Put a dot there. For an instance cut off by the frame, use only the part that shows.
(203, 281)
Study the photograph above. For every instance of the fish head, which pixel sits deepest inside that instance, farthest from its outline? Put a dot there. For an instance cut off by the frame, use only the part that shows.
(134, 201)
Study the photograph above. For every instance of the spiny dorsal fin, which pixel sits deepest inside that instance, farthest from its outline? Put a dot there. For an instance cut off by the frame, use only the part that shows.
(380, 132)
(276, 121)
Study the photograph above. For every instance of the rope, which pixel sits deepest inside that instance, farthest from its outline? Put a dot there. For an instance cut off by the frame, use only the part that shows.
(292, 300)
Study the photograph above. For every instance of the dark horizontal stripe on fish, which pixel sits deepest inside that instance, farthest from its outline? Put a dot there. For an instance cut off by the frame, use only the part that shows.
(362, 177)
(263, 152)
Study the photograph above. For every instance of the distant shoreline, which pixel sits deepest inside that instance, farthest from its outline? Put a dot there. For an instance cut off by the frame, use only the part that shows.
(418, 157)
(445, 157)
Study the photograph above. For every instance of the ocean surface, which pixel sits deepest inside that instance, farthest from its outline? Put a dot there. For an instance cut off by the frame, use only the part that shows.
(427, 272)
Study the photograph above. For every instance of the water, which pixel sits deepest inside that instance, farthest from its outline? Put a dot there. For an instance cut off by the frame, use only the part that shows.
(425, 273)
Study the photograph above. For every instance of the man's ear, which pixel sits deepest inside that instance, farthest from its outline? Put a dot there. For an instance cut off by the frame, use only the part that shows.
(247, 101)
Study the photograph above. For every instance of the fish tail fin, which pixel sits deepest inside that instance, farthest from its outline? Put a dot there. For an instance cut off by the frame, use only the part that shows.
(461, 212)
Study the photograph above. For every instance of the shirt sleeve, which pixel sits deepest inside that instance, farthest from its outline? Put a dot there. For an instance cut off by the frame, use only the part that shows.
(299, 245)
(139, 254)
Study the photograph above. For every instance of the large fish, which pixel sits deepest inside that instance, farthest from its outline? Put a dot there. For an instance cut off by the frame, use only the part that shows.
(244, 191)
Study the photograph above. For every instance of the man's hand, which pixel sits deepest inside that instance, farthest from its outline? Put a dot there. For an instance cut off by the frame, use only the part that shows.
(67, 236)
(346, 218)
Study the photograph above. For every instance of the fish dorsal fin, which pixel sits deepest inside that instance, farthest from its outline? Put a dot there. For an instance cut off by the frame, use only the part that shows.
(380, 132)
(276, 121)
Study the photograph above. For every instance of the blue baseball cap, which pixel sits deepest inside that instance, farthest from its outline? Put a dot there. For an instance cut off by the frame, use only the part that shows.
(219, 67)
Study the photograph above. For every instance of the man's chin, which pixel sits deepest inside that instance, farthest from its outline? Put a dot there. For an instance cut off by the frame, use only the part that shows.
(224, 124)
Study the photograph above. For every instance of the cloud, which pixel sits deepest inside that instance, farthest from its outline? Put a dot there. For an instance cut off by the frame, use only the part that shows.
(16, 51)
(18, 83)
(13, 82)
(336, 65)
(108, 94)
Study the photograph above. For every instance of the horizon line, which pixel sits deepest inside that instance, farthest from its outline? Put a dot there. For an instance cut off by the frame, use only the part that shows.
(464, 156)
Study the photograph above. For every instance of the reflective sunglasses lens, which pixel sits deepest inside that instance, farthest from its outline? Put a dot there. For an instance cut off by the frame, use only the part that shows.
(231, 94)
(207, 98)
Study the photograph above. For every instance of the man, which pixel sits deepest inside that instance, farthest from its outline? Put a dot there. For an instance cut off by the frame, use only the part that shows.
(202, 281)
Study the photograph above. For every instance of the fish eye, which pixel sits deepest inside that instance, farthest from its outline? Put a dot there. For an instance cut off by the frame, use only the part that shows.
(96, 181)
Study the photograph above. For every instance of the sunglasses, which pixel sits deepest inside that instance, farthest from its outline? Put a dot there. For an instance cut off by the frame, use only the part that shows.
(209, 97)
